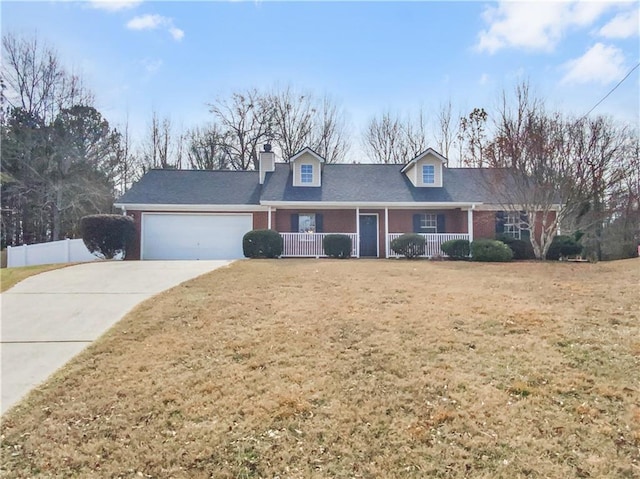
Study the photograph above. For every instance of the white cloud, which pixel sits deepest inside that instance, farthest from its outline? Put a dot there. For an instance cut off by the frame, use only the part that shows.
(600, 64)
(152, 22)
(534, 26)
(623, 25)
(484, 79)
(176, 33)
(152, 66)
(114, 5)
(147, 22)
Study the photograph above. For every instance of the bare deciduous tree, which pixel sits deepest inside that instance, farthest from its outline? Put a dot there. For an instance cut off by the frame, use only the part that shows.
(293, 115)
(204, 149)
(382, 140)
(36, 82)
(57, 149)
(447, 130)
(330, 132)
(246, 120)
(161, 148)
(557, 170)
(127, 167)
(291, 119)
(598, 147)
(473, 138)
(390, 139)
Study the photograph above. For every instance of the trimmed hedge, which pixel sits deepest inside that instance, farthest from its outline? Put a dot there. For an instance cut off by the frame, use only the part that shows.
(456, 249)
(337, 246)
(409, 245)
(108, 235)
(262, 244)
(563, 246)
(490, 250)
(521, 249)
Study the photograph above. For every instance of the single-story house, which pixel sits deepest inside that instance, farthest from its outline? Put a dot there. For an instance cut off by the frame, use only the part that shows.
(203, 214)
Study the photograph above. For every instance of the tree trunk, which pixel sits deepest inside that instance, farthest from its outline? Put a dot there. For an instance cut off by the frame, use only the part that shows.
(56, 216)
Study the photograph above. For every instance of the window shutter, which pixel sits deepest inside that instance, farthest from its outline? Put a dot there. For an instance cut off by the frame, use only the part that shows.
(525, 234)
(294, 223)
(416, 223)
(319, 224)
(499, 222)
(440, 224)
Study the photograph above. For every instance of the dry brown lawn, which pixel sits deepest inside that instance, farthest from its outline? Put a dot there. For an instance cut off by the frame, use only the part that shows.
(353, 369)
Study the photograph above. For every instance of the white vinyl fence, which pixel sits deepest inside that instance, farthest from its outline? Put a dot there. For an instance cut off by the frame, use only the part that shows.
(65, 251)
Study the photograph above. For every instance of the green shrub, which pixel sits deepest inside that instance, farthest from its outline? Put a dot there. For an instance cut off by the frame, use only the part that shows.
(521, 249)
(409, 245)
(262, 244)
(337, 245)
(563, 246)
(456, 249)
(108, 235)
(490, 250)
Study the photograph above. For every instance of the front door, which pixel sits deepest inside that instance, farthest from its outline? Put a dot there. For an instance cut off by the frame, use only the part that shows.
(369, 235)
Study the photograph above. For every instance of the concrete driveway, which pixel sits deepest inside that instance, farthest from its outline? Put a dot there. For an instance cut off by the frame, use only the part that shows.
(49, 318)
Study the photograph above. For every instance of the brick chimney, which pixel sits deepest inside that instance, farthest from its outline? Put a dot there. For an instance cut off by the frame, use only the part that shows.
(267, 160)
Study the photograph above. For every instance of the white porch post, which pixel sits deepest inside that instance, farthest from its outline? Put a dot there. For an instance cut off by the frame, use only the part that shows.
(386, 232)
(357, 232)
(269, 219)
(470, 223)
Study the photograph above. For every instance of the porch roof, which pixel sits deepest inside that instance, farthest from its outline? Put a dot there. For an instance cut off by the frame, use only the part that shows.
(342, 183)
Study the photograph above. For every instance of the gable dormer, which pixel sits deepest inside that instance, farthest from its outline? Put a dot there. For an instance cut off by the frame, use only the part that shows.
(425, 170)
(306, 166)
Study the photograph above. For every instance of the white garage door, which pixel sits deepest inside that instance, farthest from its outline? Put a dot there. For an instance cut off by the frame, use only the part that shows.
(193, 236)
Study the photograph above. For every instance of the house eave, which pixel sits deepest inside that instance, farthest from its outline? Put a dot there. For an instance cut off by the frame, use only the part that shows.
(188, 207)
(513, 207)
(306, 150)
(368, 204)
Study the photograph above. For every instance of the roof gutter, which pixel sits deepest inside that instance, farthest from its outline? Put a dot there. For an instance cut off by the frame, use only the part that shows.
(367, 204)
(188, 207)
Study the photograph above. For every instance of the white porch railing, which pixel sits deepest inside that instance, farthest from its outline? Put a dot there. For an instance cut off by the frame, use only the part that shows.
(432, 243)
(309, 245)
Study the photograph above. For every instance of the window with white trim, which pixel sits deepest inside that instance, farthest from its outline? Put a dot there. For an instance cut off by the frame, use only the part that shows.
(428, 174)
(512, 224)
(429, 223)
(307, 223)
(306, 173)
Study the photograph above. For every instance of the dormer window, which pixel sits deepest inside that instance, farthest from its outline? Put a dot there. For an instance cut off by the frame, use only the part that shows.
(306, 173)
(428, 174)
(306, 167)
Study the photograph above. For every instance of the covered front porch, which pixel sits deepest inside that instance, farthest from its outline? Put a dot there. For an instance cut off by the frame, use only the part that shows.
(371, 229)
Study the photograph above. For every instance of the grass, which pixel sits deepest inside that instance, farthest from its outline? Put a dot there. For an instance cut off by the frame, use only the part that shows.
(353, 369)
(9, 277)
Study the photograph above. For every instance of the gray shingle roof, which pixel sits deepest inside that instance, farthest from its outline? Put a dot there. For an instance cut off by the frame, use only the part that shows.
(340, 183)
(376, 183)
(195, 187)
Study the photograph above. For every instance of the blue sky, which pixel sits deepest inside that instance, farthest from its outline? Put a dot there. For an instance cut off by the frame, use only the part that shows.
(175, 57)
